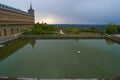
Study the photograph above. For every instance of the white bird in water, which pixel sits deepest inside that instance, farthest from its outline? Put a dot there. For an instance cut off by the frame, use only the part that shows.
(78, 51)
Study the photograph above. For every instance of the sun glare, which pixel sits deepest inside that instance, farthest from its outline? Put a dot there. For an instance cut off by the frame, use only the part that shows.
(49, 21)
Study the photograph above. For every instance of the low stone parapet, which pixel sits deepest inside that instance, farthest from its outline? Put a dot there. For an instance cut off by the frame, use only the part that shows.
(114, 38)
(8, 38)
(62, 36)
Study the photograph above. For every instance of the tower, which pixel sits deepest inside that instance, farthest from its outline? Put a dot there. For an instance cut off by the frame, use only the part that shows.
(31, 11)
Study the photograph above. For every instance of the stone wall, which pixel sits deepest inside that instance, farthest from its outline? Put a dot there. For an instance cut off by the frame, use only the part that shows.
(14, 21)
(62, 36)
(9, 18)
(12, 30)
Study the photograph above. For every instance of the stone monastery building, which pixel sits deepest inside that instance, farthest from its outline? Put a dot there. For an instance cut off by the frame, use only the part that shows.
(14, 21)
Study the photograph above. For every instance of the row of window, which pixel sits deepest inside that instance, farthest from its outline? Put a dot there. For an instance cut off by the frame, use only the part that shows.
(14, 15)
(16, 22)
(7, 17)
(13, 9)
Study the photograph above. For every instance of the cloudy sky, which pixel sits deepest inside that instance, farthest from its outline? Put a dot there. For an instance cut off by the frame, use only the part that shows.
(71, 11)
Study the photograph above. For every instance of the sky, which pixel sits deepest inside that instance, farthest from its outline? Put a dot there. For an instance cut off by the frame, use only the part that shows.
(71, 11)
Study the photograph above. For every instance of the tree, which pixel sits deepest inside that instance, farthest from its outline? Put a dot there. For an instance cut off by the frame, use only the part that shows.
(118, 29)
(76, 31)
(111, 29)
(37, 25)
(42, 29)
(69, 30)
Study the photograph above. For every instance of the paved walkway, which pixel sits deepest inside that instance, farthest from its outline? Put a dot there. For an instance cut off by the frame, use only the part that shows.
(8, 38)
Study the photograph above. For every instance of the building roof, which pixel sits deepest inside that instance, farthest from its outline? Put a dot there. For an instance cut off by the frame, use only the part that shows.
(2, 6)
(30, 8)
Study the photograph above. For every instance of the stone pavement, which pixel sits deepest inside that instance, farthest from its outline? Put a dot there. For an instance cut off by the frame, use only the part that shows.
(8, 38)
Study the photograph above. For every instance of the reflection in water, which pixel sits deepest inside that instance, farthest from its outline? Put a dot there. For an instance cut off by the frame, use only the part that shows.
(11, 78)
(108, 41)
(58, 59)
(1, 45)
(14, 46)
(77, 40)
(32, 42)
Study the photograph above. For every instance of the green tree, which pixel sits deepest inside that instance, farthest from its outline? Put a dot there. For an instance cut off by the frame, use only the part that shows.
(41, 29)
(76, 31)
(69, 30)
(37, 25)
(111, 29)
(118, 29)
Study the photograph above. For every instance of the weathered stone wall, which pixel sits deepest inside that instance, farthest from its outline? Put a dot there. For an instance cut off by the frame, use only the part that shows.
(62, 36)
(14, 21)
(11, 18)
(11, 30)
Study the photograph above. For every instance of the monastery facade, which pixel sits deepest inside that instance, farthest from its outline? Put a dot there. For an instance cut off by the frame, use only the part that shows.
(14, 21)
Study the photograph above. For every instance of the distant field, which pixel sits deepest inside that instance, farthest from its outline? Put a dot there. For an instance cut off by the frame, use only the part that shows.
(89, 33)
(85, 33)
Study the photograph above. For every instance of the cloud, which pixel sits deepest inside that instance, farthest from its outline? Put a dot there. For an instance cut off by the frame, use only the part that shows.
(69, 11)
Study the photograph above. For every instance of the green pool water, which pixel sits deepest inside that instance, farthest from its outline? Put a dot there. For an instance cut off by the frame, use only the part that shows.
(83, 58)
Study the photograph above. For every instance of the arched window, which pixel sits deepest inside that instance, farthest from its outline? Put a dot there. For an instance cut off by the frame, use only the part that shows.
(0, 33)
(12, 31)
(17, 30)
(5, 32)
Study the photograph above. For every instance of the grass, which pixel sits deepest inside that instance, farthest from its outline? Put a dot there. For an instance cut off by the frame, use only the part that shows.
(85, 33)
(89, 33)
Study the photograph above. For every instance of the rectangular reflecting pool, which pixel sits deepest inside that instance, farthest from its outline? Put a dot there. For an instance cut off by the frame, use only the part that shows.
(80, 58)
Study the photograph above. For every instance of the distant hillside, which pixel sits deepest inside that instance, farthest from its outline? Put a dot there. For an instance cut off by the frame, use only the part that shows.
(81, 25)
